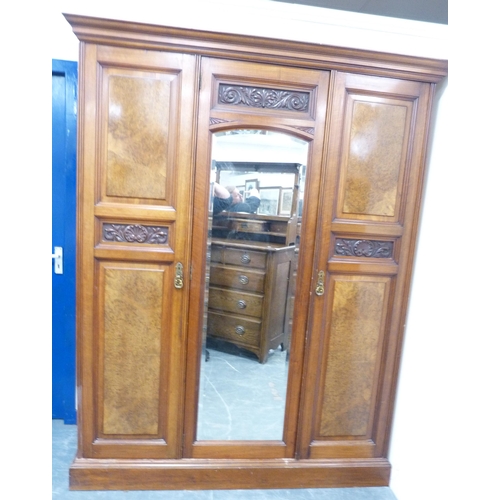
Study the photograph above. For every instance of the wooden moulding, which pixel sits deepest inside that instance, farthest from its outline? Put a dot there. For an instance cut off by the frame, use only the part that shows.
(242, 47)
(95, 474)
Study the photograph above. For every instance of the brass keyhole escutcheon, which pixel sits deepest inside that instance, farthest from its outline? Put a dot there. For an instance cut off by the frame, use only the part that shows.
(179, 276)
(320, 285)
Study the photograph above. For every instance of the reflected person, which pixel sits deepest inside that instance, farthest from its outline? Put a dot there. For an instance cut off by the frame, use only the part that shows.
(251, 203)
(222, 198)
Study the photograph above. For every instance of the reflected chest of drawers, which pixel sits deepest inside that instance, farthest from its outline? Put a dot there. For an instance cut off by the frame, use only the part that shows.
(248, 294)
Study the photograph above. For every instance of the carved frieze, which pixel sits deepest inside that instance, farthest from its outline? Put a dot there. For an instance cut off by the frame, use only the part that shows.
(216, 121)
(135, 233)
(364, 248)
(258, 97)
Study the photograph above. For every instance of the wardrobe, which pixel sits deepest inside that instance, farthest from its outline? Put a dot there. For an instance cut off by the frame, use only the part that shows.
(160, 109)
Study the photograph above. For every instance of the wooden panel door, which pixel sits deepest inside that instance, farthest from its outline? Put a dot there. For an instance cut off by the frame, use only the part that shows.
(64, 92)
(370, 203)
(135, 176)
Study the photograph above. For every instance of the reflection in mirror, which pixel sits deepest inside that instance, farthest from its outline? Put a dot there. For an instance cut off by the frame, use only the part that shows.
(257, 184)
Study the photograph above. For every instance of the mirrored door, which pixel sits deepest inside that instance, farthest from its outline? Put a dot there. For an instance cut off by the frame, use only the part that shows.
(253, 248)
(256, 164)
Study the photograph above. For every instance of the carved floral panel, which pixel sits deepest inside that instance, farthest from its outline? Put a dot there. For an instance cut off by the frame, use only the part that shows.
(135, 233)
(364, 248)
(256, 97)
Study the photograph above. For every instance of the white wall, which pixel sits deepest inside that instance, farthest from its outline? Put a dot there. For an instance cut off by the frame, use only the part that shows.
(444, 418)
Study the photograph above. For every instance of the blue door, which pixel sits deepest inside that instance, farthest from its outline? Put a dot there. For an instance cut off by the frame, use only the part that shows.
(64, 88)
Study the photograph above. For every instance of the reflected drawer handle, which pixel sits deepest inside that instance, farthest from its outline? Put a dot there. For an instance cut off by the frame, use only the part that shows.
(241, 304)
(245, 258)
(240, 330)
(243, 279)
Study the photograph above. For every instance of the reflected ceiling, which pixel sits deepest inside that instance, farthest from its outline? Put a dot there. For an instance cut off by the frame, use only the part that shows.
(430, 11)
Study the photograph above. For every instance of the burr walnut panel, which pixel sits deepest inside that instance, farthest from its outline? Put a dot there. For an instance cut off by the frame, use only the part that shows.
(132, 326)
(376, 155)
(353, 351)
(137, 139)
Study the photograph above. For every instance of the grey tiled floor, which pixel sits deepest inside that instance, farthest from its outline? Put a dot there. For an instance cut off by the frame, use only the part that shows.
(240, 397)
(64, 441)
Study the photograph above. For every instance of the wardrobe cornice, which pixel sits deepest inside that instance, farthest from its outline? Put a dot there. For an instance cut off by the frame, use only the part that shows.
(260, 49)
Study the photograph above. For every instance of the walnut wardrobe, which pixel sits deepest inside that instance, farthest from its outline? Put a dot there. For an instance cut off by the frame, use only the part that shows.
(306, 296)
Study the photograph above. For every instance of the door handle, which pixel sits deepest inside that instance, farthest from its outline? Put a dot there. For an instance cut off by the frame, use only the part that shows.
(58, 260)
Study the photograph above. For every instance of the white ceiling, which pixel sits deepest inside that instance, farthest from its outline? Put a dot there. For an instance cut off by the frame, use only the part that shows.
(430, 11)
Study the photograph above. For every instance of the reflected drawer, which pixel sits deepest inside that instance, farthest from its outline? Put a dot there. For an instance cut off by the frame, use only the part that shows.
(238, 257)
(250, 226)
(235, 301)
(278, 227)
(242, 279)
(233, 328)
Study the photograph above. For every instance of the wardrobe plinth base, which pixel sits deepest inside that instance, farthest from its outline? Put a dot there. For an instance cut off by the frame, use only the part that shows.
(102, 474)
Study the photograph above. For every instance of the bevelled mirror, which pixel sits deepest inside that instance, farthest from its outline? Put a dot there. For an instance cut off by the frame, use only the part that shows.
(257, 186)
